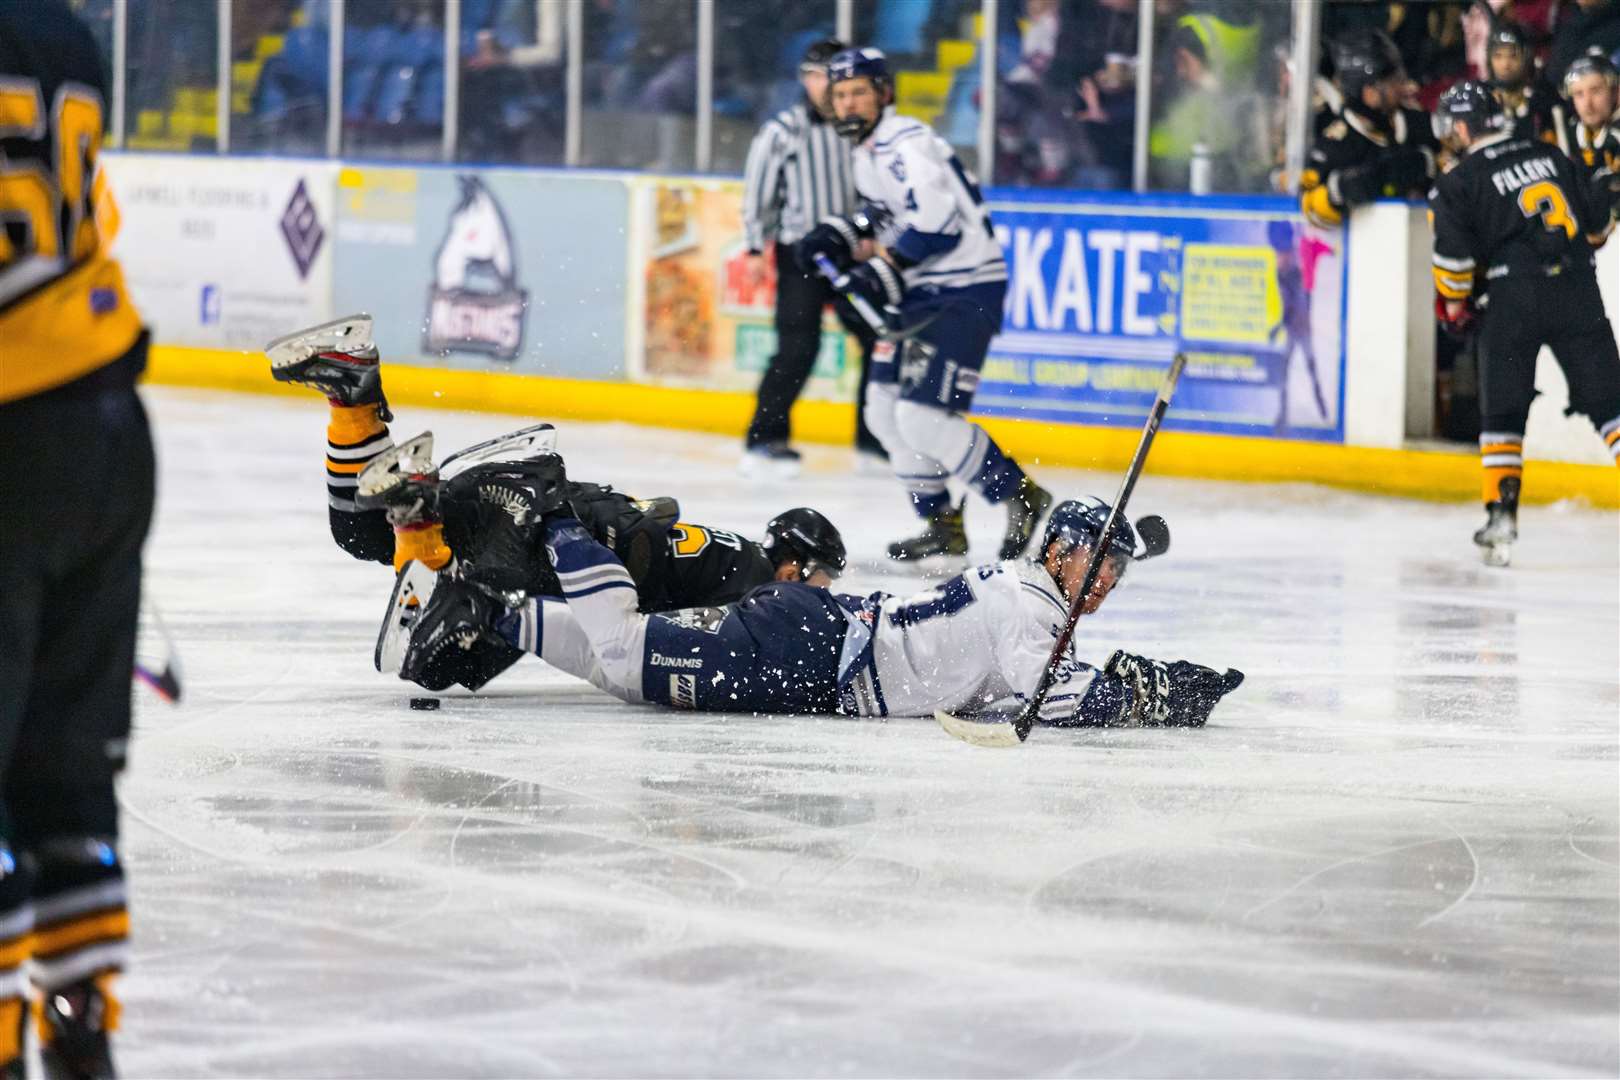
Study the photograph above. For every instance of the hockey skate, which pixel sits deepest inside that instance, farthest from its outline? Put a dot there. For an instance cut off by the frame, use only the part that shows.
(413, 588)
(454, 640)
(943, 534)
(74, 1023)
(1501, 526)
(520, 445)
(337, 358)
(1025, 509)
(506, 504)
(403, 481)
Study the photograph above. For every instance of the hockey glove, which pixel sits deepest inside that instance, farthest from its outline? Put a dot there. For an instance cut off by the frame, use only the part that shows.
(1357, 184)
(1406, 170)
(877, 282)
(834, 237)
(1180, 694)
(1606, 194)
(454, 639)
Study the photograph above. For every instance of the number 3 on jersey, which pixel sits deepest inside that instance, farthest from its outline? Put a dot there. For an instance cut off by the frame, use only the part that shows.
(689, 541)
(1546, 201)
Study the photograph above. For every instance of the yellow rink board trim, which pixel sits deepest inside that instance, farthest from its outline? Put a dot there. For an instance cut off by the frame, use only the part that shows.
(1415, 473)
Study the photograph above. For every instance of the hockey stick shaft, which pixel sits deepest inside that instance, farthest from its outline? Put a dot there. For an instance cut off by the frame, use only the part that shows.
(838, 281)
(1026, 718)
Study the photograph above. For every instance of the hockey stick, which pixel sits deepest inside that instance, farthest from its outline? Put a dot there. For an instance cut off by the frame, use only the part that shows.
(1005, 730)
(870, 315)
(159, 670)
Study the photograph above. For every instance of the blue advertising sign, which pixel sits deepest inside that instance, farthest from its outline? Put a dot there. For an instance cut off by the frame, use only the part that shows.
(1103, 290)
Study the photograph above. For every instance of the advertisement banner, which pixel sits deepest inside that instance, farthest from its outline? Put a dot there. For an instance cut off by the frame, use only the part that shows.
(1103, 291)
(496, 270)
(708, 307)
(223, 255)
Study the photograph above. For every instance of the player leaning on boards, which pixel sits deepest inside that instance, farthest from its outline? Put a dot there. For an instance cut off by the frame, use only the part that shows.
(1377, 147)
(76, 487)
(1514, 213)
(390, 503)
(922, 246)
(982, 637)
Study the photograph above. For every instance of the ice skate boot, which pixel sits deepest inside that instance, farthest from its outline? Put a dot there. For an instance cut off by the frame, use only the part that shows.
(1501, 526)
(773, 461)
(74, 1024)
(337, 358)
(942, 534)
(1025, 509)
(403, 481)
(505, 504)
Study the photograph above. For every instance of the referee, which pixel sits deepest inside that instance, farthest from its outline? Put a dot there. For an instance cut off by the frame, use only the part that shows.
(798, 172)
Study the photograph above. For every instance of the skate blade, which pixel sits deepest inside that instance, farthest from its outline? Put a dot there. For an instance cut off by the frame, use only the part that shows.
(521, 445)
(751, 467)
(412, 590)
(1498, 554)
(347, 333)
(390, 467)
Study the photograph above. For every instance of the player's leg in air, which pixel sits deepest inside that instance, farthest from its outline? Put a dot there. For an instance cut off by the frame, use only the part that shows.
(339, 359)
(919, 389)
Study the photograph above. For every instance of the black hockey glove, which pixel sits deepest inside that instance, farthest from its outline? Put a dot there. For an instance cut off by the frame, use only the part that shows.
(1606, 196)
(834, 237)
(454, 639)
(877, 282)
(1359, 184)
(1406, 170)
(1179, 694)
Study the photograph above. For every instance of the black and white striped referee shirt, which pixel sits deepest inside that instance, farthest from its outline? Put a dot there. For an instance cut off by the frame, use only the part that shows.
(798, 172)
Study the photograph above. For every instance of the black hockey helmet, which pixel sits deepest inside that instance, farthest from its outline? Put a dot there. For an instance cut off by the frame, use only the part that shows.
(1593, 63)
(1472, 103)
(817, 56)
(1509, 35)
(806, 537)
(1362, 58)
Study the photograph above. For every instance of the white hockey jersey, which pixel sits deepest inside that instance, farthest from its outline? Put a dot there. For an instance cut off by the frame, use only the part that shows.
(933, 217)
(982, 637)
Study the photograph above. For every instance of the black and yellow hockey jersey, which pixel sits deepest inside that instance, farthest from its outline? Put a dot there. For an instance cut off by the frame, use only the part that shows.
(1355, 160)
(1593, 152)
(1510, 206)
(64, 309)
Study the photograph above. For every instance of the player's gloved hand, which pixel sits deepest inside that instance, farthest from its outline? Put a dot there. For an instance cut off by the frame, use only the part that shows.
(877, 282)
(1406, 170)
(834, 237)
(1455, 317)
(1179, 694)
(1606, 193)
(1359, 184)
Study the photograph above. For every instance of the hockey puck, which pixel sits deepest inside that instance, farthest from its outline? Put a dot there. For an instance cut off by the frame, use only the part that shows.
(425, 704)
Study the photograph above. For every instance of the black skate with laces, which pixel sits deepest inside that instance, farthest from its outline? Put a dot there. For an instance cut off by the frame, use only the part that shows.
(1501, 526)
(504, 506)
(337, 358)
(942, 535)
(1025, 509)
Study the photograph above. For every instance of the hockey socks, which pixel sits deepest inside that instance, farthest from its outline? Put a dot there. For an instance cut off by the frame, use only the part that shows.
(354, 435)
(1502, 455)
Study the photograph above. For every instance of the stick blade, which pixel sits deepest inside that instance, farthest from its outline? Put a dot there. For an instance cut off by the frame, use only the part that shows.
(987, 729)
(1154, 533)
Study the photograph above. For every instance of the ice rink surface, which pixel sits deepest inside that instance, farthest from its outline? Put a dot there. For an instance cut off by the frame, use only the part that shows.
(1393, 852)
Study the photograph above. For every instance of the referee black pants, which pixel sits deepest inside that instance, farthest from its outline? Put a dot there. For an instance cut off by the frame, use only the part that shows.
(800, 298)
(76, 488)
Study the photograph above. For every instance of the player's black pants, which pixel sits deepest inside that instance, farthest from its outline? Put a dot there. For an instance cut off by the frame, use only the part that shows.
(76, 486)
(800, 298)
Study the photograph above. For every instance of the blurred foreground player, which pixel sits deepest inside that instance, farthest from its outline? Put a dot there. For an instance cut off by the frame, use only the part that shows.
(980, 638)
(76, 481)
(464, 518)
(923, 247)
(1514, 213)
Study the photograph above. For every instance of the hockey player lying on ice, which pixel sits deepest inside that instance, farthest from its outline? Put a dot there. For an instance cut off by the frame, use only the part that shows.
(981, 638)
(390, 503)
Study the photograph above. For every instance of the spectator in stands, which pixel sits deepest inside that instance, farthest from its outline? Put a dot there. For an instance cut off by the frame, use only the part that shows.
(1093, 75)
(1211, 103)
(1596, 24)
